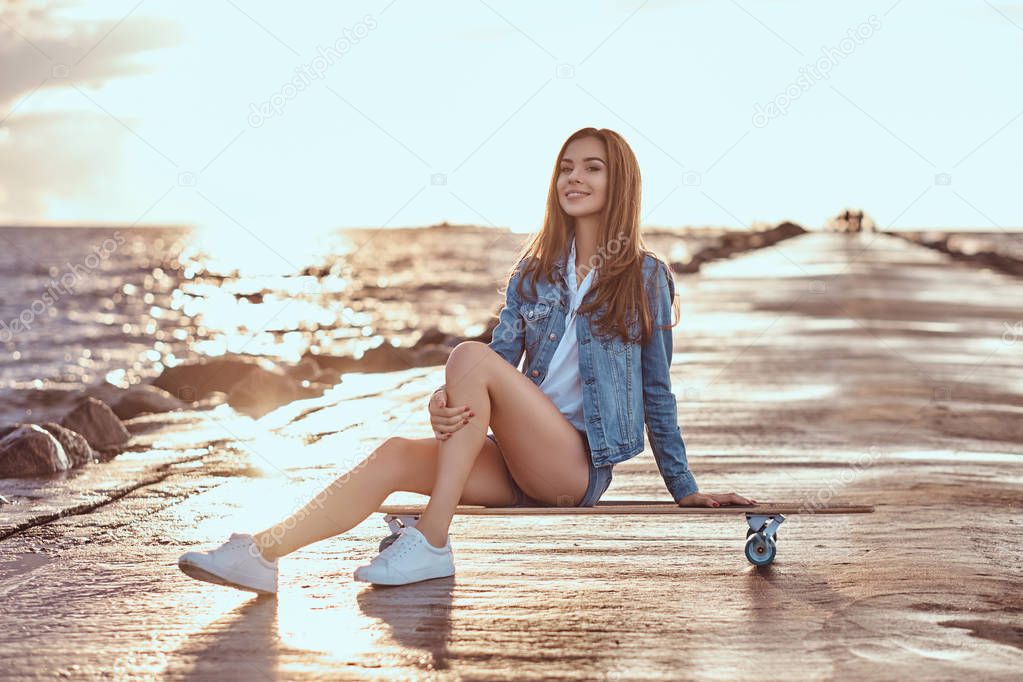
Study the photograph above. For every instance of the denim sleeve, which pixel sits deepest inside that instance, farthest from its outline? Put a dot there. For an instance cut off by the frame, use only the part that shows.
(659, 406)
(508, 338)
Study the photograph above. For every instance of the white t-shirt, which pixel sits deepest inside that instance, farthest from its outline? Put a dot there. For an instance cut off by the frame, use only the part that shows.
(562, 383)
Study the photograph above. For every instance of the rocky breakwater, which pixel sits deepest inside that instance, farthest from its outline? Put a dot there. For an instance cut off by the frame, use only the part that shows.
(99, 426)
(731, 243)
(89, 432)
(975, 249)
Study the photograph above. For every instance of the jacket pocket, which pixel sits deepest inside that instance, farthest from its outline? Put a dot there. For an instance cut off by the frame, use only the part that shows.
(535, 317)
(614, 345)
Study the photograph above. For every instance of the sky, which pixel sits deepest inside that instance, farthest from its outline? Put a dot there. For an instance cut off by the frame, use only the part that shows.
(289, 118)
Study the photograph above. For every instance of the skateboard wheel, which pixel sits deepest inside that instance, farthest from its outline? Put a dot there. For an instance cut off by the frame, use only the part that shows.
(760, 549)
(386, 542)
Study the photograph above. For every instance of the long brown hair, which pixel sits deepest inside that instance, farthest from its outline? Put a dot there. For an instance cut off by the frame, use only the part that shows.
(618, 285)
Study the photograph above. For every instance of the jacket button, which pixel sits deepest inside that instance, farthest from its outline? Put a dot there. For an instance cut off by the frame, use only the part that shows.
(536, 372)
(529, 314)
(552, 337)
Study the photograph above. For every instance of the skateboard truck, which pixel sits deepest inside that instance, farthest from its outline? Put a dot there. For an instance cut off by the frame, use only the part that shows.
(396, 522)
(762, 537)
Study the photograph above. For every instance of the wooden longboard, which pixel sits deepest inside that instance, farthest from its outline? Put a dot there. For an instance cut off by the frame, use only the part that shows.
(761, 537)
(639, 507)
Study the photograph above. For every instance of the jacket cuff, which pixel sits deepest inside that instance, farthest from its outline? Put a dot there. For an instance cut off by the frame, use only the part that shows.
(682, 486)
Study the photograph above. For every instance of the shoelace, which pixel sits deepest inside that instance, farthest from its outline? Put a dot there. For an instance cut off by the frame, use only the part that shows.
(236, 543)
(393, 551)
(231, 544)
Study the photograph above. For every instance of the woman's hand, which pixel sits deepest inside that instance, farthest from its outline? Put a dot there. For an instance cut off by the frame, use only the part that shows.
(715, 500)
(446, 420)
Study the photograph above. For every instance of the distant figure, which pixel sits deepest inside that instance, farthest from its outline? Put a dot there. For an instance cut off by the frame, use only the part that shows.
(850, 222)
(865, 224)
(854, 220)
(595, 371)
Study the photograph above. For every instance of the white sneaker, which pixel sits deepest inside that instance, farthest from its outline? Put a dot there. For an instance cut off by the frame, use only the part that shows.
(236, 563)
(408, 559)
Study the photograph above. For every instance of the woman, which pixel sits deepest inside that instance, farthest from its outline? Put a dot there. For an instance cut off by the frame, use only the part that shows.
(595, 372)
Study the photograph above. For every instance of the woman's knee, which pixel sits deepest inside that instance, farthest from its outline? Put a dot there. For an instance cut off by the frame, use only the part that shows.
(393, 454)
(468, 358)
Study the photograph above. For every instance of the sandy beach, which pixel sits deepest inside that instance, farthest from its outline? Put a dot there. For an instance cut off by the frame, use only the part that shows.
(862, 368)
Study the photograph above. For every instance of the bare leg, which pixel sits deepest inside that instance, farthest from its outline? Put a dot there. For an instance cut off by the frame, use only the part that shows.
(540, 447)
(467, 384)
(547, 460)
(339, 507)
(399, 464)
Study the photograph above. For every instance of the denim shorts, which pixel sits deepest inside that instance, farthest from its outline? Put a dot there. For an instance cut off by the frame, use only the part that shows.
(600, 480)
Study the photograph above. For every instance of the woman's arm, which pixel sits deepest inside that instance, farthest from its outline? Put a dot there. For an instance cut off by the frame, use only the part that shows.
(508, 338)
(659, 405)
(661, 409)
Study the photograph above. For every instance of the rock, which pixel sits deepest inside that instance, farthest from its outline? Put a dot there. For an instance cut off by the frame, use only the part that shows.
(261, 391)
(146, 399)
(736, 242)
(98, 423)
(783, 231)
(434, 336)
(431, 349)
(328, 378)
(711, 253)
(319, 272)
(211, 401)
(966, 250)
(488, 333)
(74, 444)
(433, 354)
(195, 381)
(104, 391)
(251, 298)
(692, 265)
(307, 369)
(30, 450)
(385, 358)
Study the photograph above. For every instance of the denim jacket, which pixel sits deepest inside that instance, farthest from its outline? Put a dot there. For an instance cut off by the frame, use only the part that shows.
(624, 384)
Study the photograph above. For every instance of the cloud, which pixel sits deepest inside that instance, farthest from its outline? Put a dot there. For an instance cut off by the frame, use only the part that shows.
(46, 157)
(41, 49)
(50, 156)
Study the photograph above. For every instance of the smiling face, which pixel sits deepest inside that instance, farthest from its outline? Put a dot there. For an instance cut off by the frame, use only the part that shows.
(582, 180)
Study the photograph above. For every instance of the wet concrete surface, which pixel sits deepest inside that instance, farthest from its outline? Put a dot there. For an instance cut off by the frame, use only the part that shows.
(828, 368)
